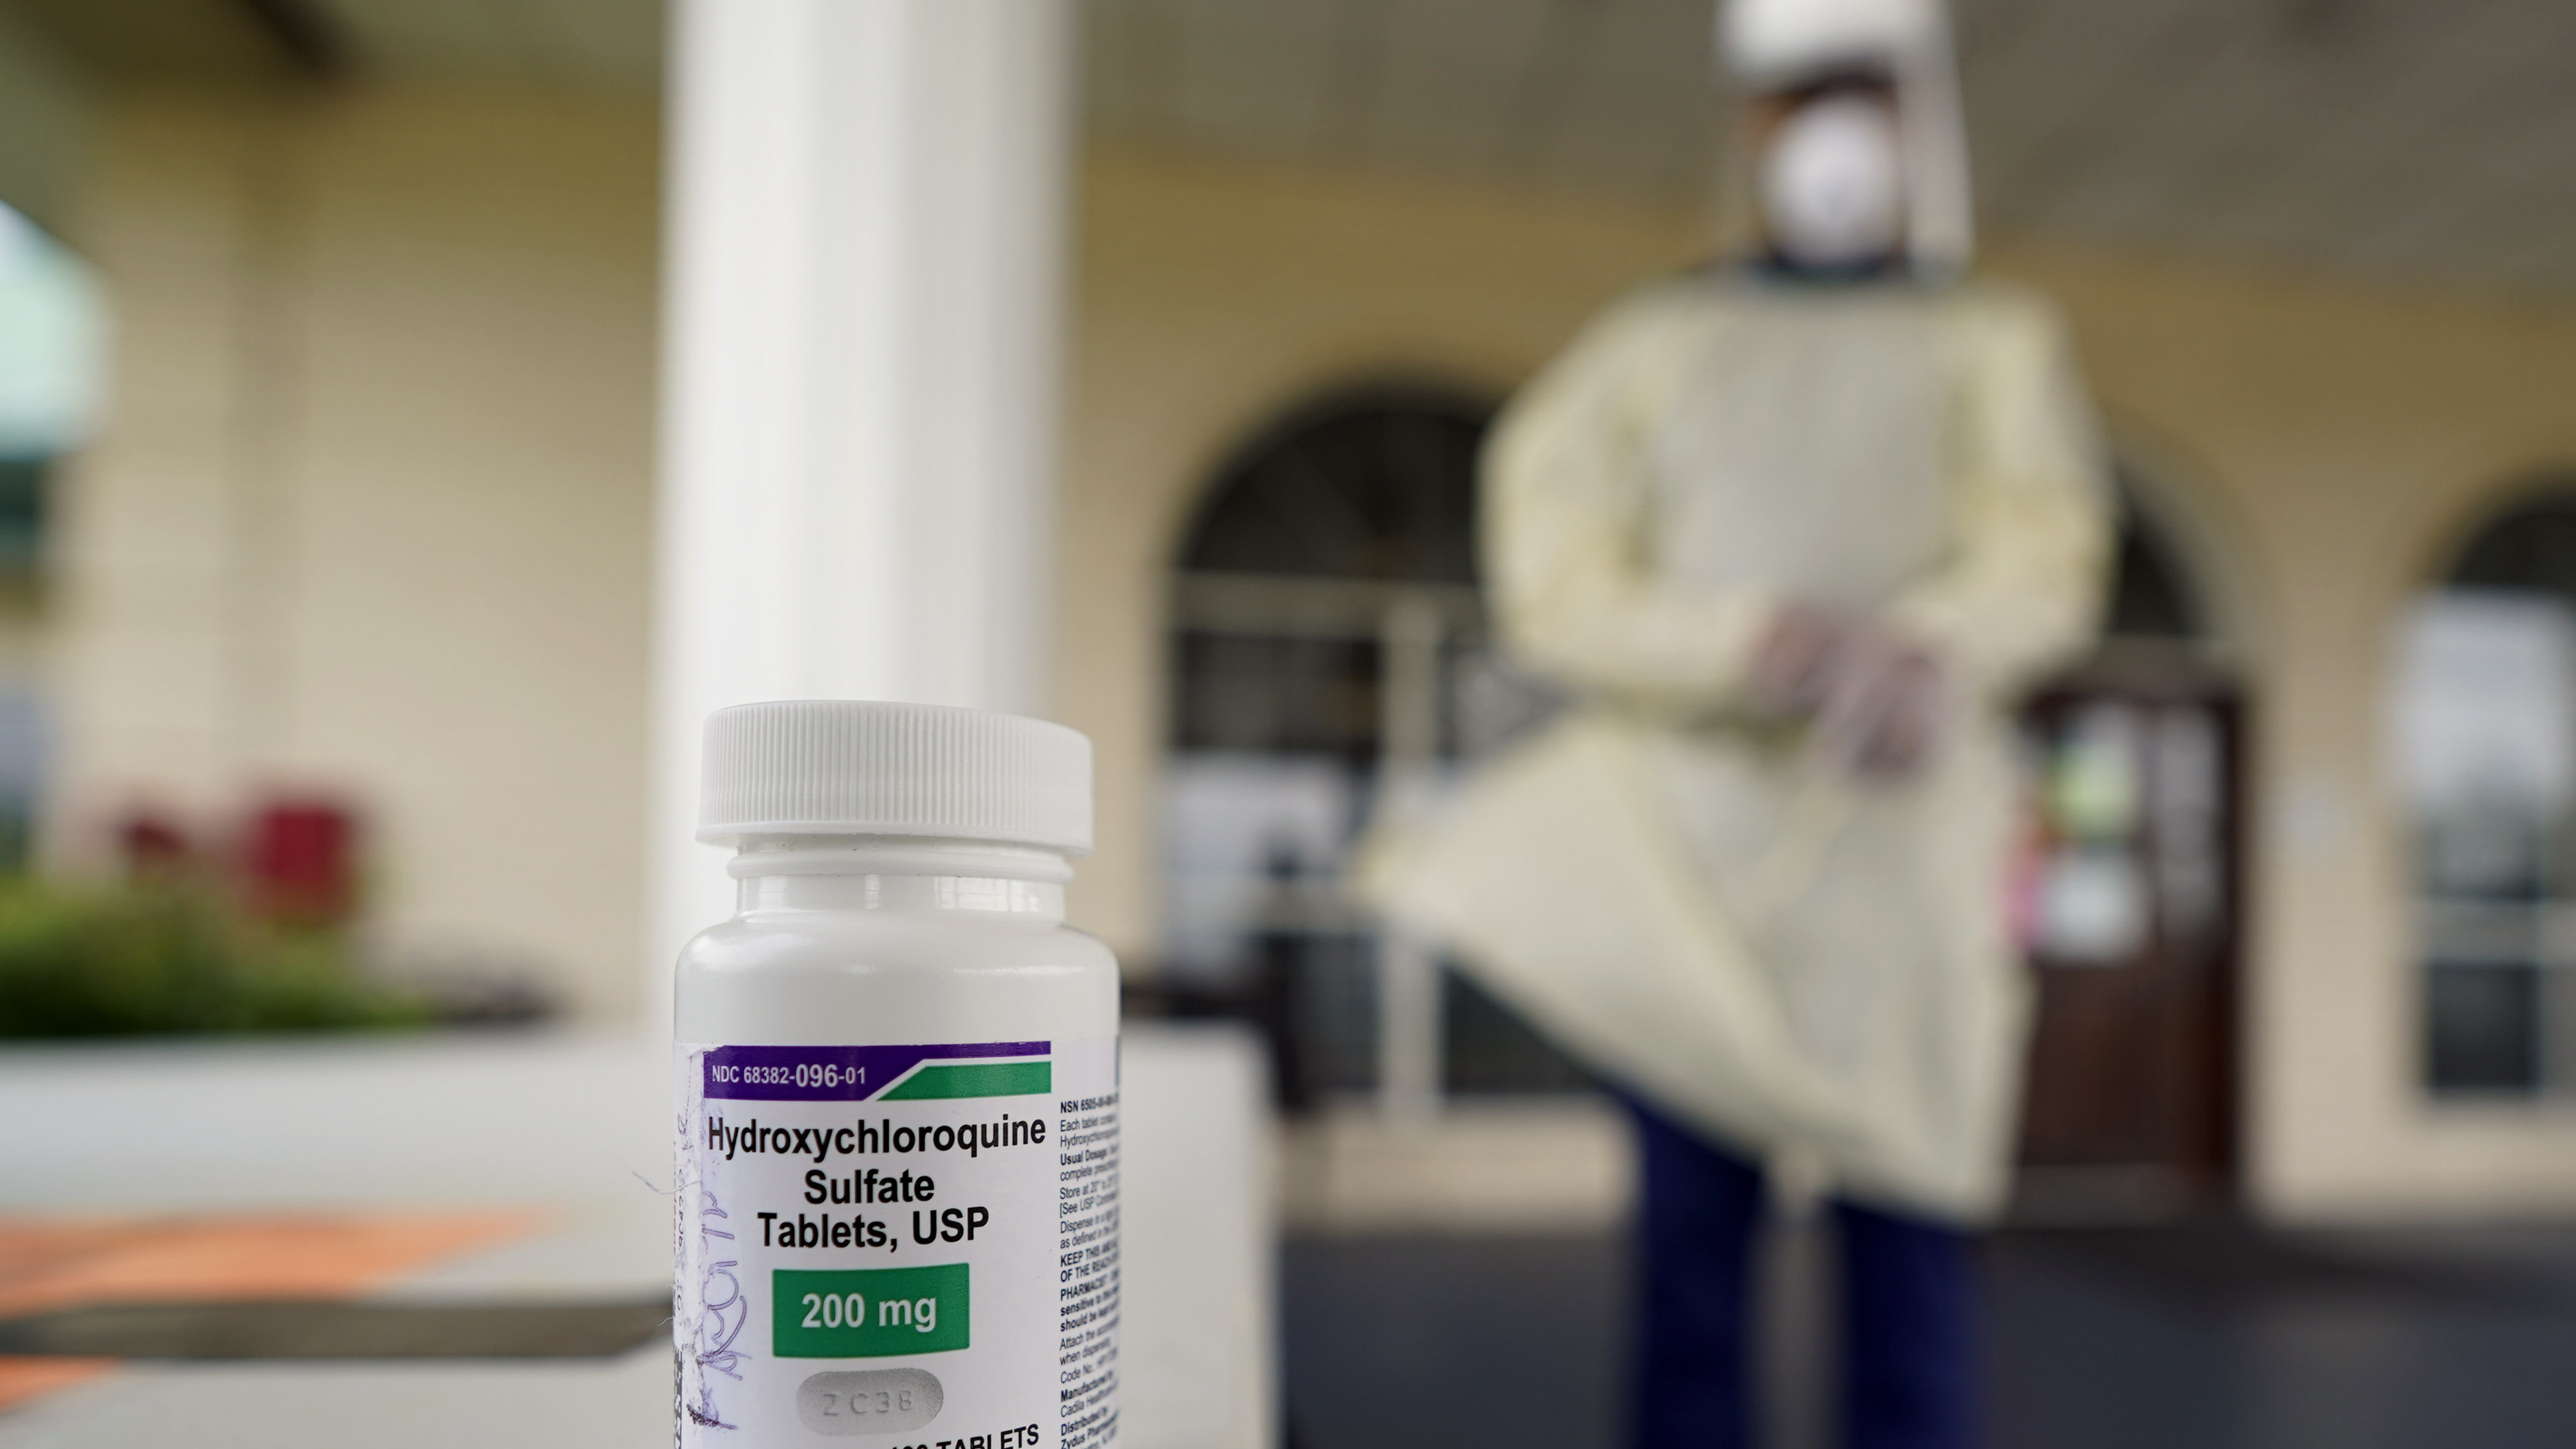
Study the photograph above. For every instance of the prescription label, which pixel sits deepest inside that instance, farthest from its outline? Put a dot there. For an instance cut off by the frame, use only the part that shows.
(916, 1245)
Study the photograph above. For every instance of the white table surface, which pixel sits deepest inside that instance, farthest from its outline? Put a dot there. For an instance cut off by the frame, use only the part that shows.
(579, 1127)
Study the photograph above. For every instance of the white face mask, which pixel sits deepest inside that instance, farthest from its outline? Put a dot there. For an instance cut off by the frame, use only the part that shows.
(1833, 187)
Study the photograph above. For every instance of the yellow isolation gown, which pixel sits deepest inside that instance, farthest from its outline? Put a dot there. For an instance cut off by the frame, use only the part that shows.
(1694, 903)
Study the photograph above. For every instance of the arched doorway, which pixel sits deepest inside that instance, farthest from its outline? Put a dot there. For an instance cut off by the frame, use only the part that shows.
(1328, 646)
(2484, 733)
(2128, 905)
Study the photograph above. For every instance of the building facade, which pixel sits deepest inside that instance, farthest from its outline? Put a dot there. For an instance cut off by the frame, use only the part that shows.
(372, 515)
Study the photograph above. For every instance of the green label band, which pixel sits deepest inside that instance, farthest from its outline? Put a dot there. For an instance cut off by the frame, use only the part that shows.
(982, 1079)
(868, 1312)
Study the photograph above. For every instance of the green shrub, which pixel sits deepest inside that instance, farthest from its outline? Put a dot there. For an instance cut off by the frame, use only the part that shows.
(170, 960)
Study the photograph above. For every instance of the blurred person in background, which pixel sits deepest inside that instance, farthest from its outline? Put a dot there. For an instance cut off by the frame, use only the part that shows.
(1794, 530)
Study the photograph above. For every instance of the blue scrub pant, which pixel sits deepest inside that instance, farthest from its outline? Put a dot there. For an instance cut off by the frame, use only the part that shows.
(1908, 1315)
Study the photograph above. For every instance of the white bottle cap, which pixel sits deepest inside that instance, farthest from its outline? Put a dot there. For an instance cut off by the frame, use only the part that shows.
(866, 767)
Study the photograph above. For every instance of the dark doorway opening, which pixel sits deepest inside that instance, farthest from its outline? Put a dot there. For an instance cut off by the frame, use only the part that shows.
(2128, 907)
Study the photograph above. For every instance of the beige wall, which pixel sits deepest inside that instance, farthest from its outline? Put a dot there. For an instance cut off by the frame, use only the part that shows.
(371, 510)
(2318, 438)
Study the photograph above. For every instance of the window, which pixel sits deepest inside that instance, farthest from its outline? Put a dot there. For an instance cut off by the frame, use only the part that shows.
(2483, 725)
(51, 325)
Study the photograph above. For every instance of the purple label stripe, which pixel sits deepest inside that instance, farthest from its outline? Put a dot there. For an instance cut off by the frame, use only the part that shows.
(834, 1073)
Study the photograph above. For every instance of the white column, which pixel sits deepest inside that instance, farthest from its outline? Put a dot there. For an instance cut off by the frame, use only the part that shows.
(865, 225)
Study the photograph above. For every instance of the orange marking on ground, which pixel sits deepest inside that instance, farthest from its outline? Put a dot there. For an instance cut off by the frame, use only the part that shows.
(23, 1379)
(62, 1263)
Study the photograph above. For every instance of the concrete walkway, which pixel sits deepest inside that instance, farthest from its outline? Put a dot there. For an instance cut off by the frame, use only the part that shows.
(2211, 1337)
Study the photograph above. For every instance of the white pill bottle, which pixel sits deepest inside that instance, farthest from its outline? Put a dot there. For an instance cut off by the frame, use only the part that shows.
(897, 1200)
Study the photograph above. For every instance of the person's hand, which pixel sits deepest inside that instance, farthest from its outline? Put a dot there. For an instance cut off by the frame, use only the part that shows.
(1883, 720)
(1793, 664)
(1874, 699)
(1886, 700)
